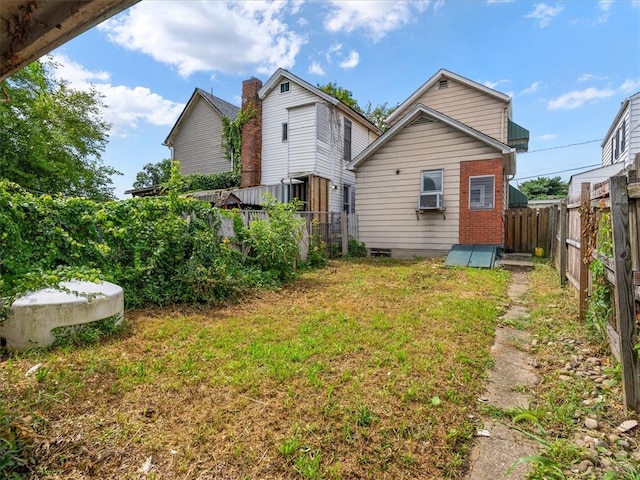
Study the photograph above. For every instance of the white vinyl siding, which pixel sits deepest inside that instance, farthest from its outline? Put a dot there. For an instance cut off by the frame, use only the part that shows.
(302, 154)
(633, 128)
(315, 140)
(630, 116)
(612, 150)
(467, 105)
(389, 184)
(198, 143)
(275, 112)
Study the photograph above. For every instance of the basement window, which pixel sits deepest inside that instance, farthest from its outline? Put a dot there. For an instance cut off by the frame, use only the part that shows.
(444, 83)
(284, 87)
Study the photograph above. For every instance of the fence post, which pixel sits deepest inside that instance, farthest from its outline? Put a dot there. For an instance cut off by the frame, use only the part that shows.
(562, 242)
(344, 234)
(551, 232)
(624, 297)
(585, 202)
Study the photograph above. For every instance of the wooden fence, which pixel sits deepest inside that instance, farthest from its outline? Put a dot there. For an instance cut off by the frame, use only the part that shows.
(578, 244)
(528, 228)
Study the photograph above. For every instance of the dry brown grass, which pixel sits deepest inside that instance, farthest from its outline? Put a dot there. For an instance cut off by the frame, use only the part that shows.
(364, 369)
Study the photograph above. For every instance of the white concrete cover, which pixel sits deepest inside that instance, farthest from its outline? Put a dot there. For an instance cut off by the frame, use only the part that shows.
(32, 317)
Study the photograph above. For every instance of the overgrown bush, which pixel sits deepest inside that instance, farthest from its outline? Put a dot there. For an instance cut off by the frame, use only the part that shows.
(273, 243)
(318, 254)
(159, 249)
(196, 181)
(356, 249)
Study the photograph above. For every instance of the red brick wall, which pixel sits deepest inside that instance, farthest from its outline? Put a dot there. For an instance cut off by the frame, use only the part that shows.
(481, 227)
(251, 153)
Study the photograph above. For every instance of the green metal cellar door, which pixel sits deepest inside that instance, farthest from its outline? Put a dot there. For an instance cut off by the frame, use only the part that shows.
(482, 256)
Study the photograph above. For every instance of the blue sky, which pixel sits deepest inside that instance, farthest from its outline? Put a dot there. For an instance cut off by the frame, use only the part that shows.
(567, 65)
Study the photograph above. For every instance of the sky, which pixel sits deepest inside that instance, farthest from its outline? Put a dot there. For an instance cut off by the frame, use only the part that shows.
(567, 65)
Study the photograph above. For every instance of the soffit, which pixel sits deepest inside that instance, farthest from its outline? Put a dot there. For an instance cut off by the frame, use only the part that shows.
(30, 29)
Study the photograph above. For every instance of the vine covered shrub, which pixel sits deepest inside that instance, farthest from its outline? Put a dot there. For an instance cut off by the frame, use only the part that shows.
(272, 244)
(159, 249)
(599, 309)
(194, 182)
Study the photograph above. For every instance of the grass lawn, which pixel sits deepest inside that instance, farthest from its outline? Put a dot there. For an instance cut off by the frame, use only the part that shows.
(364, 369)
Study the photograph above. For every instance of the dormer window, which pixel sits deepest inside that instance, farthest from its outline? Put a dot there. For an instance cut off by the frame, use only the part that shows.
(444, 83)
(284, 87)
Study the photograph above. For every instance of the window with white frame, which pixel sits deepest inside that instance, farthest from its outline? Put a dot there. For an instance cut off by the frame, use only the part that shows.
(431, 181)
(481, 192)
(284, 87)
(285, 132)
(430, 190)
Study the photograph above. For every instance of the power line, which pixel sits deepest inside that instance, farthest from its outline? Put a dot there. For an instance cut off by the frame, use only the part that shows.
(554, 173)
(563, 146)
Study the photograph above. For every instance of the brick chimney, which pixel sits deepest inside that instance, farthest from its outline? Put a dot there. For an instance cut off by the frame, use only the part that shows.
(251, 153)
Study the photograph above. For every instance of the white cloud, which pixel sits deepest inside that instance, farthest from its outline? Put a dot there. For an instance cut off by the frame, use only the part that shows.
(332, 50)
(352, 60)
(126, 107)
(605, 5)
(316, 69)
(374, 17)
(544, 13)
(547, 137)
(533, 88)
(202, 36)
(493, 85)
(577, 98)
(585, 77)
(75, 73)
(630, 86)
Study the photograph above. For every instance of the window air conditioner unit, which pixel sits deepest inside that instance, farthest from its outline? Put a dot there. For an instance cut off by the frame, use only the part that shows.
(430, 201)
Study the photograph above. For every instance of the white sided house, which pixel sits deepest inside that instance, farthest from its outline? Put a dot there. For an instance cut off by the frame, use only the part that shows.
(196, 138)
(301, 143)
(622, 141)
(439, 176)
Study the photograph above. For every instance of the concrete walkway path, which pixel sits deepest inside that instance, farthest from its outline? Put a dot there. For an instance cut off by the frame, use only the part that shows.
(492, 455)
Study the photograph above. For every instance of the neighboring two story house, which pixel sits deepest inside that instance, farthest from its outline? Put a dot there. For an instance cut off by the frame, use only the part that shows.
(298, 143)
(622, 141)
(620, 146)
(196, 138)
(439, 176)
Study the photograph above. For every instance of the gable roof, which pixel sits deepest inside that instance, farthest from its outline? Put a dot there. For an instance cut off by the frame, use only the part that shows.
(453, 76)
(281, 74)
(223, 108)
(508, 153)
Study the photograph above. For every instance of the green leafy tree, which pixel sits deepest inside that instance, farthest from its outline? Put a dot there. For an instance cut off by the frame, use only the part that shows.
(378, 114)
(342, 94)
(52, 136)
(375, 114)
(543, 188)
(153, 174)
